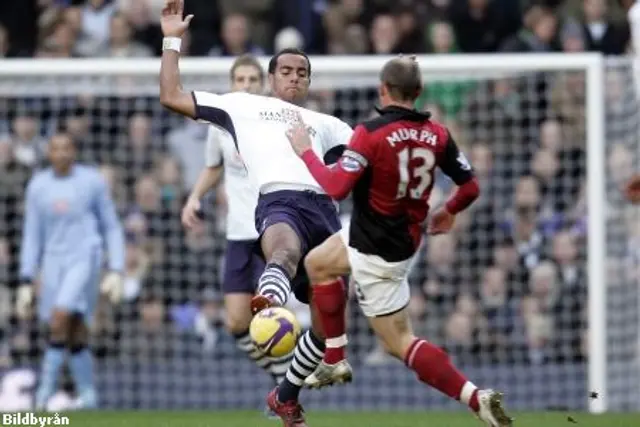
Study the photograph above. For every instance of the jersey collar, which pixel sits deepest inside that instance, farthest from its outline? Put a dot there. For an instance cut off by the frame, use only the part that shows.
(404, 113)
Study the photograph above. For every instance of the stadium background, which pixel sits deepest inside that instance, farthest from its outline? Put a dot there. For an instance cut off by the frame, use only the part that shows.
(505, 294)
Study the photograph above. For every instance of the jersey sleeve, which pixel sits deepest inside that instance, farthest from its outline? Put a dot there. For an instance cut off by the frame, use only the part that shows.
(216, 109)
(359, 153)
(454, 163)
(213, 149)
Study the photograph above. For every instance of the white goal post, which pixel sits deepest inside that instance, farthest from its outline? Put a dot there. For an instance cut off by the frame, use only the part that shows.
(59, 78)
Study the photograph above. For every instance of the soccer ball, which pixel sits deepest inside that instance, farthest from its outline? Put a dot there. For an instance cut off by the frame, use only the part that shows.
(275, 331)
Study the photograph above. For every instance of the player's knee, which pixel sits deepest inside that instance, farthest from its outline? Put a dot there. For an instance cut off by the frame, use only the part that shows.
(314, 267)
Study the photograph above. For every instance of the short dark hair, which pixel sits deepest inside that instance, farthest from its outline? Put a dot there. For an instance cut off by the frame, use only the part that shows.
(246, 60)
(273, 63)
(403, 78)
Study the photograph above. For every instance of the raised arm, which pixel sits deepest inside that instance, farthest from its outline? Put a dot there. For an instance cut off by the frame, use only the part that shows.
(172, 96)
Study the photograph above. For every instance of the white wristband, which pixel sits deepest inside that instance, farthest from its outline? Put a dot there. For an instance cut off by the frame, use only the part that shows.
(171, 43)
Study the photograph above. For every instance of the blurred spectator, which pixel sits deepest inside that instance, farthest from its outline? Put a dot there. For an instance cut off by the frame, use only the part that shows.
(142, 151)
(59, 42)
(236, 38)
(170, 181)
(460, 342)
(600, 32)
(524, 223)
(540, 38)
(152, 337)
(186, 142)
(385, 35)
(143, 16)
(306, 16)
(28, 145)
(209, 320)
(339, 17)
(94, 33)
(483, 25)
(409, 22)
(120, 43)
(567, 104)
(288, 38)
(355, 41)
(112, 176)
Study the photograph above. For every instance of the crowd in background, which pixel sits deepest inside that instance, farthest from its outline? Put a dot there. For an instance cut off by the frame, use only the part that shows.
(507, 286)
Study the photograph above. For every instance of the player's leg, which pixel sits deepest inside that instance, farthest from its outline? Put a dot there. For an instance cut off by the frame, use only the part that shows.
(79, 296)
(241, 273)
(433, 367)
(326, 266)
(282, 250)
(283, 400)
(81, 363)
(57, 322)
(54, 356)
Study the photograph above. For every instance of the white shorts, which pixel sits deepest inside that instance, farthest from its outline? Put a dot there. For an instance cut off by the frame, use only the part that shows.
(381, 286)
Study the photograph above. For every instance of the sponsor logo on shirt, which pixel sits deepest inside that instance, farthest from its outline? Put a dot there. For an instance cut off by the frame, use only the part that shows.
(286, 115)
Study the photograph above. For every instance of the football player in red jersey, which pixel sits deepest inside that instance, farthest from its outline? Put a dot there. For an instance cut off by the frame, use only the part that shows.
(390, 165)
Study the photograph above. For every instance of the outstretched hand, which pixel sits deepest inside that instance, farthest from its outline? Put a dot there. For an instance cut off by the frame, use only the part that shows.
(171, 21)
(298, 136)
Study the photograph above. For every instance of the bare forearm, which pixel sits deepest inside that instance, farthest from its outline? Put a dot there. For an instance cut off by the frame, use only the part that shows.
(172, 96)
(209, 178)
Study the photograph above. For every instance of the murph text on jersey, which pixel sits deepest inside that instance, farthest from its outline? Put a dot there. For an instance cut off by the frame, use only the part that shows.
(403, 134)
(31, 419)
(286, 115)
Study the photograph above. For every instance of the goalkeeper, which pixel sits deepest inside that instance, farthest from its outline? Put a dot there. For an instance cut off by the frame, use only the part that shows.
(68, 215)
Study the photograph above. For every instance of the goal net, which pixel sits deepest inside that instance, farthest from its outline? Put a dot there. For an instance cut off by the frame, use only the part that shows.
(529, 294)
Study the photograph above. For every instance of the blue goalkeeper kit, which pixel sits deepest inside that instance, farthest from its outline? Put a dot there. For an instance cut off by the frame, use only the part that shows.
(67, 221)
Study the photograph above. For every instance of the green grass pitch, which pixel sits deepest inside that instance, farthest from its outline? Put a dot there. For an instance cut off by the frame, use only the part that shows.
(341, 419)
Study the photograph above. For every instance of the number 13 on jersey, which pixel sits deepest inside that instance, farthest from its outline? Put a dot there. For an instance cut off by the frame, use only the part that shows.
(415, 179)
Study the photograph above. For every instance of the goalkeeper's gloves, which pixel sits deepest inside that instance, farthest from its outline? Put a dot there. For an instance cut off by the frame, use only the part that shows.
(112, 286)
(24, 300)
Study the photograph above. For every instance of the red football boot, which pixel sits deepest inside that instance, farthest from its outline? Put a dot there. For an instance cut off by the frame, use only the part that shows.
(289, 412)
(260, 302)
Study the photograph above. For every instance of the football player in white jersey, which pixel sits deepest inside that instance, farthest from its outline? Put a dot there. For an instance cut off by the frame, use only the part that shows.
(293, 214)
(243, 265)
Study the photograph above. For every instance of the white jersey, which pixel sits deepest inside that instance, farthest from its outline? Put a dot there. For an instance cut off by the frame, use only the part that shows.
(242, 192)
(258, 126)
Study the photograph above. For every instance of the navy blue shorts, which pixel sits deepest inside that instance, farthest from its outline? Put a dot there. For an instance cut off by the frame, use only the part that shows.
(312, 216)
(242, 267)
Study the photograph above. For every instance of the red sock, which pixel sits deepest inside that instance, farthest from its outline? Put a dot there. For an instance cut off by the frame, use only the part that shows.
(434, 367)
(330, 300)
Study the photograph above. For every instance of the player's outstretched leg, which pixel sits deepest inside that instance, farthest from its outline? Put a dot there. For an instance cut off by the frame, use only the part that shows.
(326, 265)
(81, 363)
(283, 400)
(281, 248)
(433, 367)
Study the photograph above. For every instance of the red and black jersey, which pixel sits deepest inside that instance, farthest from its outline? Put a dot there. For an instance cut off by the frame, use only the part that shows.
(392, 160)
(400, 151)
